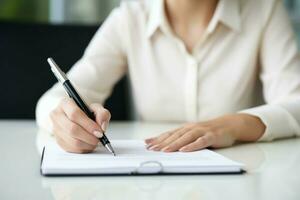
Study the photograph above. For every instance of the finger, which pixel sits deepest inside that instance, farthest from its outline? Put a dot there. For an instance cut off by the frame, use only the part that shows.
(187, 138)
(156, 140)
(201, 143)
(73, 130)
(72, 147)
(177, 134)
(76, 115)
(102, 115)
(149, 140)
(72, 144)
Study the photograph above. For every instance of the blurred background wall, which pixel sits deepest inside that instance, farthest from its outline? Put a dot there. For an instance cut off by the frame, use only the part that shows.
(57, 11)
(293, 7)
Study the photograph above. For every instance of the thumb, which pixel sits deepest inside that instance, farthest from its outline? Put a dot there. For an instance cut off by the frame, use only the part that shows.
(102, 115)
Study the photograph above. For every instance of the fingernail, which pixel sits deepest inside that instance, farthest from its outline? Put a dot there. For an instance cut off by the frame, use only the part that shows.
(153, 147)
(148, 146)
(98, 134)
(166, 149)
(104, 125)
(183, 149)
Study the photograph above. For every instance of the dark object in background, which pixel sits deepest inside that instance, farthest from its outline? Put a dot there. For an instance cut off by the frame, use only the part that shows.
(24, 71)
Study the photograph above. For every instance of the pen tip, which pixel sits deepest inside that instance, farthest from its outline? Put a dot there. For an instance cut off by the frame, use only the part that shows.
(110, 149)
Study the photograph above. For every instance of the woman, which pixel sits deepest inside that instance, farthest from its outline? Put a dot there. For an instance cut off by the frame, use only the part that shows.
(194, 61)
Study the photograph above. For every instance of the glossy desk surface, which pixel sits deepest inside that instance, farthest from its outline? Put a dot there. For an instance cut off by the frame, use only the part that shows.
(273, 171)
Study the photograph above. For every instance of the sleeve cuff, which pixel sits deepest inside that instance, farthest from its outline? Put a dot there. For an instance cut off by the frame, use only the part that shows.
(279, 123)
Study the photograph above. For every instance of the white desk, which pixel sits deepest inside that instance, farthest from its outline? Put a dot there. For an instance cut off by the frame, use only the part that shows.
(273, 171)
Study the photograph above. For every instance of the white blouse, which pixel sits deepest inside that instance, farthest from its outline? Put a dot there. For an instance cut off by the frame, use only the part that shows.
(247, 44)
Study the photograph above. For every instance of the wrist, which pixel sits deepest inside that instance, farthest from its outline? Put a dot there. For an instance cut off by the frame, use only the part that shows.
(249, 128)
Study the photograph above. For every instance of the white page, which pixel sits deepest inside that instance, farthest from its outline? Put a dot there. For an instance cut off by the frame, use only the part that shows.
(130, 155)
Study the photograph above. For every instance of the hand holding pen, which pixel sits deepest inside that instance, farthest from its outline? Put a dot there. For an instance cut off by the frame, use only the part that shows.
(78, 128)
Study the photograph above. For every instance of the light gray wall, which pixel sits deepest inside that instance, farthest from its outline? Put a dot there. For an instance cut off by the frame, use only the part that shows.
(80, 11)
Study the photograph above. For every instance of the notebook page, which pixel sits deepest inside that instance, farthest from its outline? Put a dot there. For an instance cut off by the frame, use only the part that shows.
(129, 156)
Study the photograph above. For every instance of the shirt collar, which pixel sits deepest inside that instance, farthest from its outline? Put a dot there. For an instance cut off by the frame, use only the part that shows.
(227, 12)
(157, 17)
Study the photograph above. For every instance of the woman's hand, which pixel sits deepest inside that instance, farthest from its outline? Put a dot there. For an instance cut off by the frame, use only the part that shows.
(220, 132)
(74, 131)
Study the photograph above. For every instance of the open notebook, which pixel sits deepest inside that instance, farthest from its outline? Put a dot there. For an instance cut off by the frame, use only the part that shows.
(133, 158)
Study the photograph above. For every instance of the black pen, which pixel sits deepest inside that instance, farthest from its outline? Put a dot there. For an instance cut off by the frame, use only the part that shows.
(62, 78)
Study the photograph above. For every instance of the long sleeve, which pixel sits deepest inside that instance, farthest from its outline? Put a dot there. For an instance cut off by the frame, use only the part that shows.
(94, 75)
(280, 76)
